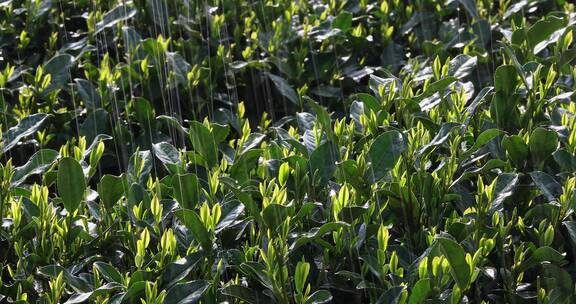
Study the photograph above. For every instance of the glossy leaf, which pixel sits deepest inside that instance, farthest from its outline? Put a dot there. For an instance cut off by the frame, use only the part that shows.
(71, 183)
(456, 257)
(384, 153)
(111, 188)
(193, 222)
(26, 127)
(543, 143)
(38, 164)
(186, 190)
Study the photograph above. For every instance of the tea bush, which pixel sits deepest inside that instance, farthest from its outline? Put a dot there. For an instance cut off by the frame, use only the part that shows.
(278, 151)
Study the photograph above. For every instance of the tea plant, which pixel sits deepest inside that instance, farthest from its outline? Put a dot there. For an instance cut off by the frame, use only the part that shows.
(304, 152)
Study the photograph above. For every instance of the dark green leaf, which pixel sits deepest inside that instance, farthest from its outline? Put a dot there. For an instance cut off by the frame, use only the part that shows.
(484, 138)
(456, 257)
(178, 65)
(323, 161)
(505, 185)
(109, 273)
(159, 11)
(96, 123)
(565, 159)
(230, 212)
(168, 155)
(506, 79)
(88, 93)
(284, 88)
(242, 293)
(470, 6)
(319, 297)
(392, 295)
(571, 229)
(113, 17)
(193, 222)
(440, 138)
(253, 141)
(71, 183)
(38, 163)
(420, 291)
(59, 69)
(540, 255)
(462, 65)
(343, 21)
(542, 30)
(178, 270)
(547, 184)
(543, 143)
(516, 149)
(204, 143)
(27, 126)
(435, 87)
(384, 153)
(111, 188)
(274, 215)
(186, 190)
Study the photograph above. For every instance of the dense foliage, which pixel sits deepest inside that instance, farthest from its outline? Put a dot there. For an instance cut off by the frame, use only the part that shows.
(279, 151)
